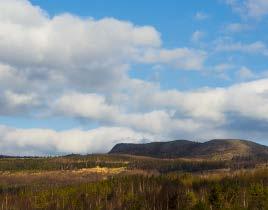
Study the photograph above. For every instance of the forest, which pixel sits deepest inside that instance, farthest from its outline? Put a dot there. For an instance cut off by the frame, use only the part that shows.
(132, 182)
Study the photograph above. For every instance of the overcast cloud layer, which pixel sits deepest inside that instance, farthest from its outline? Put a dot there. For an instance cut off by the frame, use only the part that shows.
(78, 68)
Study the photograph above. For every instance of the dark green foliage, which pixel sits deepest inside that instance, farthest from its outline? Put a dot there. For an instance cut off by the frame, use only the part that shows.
(200, 205)
(259, 196)
(216, 197)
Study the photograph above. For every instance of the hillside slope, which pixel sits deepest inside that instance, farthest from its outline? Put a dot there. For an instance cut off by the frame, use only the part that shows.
(216, 149)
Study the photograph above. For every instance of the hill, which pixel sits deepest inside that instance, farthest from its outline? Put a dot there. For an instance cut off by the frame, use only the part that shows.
(216, 149)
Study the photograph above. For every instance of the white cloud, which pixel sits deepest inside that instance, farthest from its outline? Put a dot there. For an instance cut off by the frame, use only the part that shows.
(210, 104)
(183, 58)
(198, 114)
(11, 78)
(197, 36)
(15, 141)
(257, 8)
(81, 52)
(257, 47)
(67, 40)
(201, 16)
(74, 49)
(21, 12)
(94, 107)
(221, 70)
(41, 57)
(46, 56)
(174, 111)
(245, 73)
(16, 99)
(13, 103)
(223, 67)
(78, 68)
(91, 106)
(249, 8)
(199, 105)
(237, 27)
(249, 99)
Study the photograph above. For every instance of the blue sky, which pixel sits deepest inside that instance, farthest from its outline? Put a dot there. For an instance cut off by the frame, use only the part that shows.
(80, 76)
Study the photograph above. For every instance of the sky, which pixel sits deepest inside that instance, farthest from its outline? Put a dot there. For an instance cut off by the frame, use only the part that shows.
(81, 76)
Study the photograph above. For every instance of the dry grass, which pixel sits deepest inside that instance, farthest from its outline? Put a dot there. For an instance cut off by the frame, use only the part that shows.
(58, 177)
(100, 170)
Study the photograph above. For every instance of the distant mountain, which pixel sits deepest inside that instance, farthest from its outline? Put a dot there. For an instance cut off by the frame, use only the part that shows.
(216, 149)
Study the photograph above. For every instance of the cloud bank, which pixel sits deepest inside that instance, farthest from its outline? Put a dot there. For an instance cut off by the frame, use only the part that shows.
(49, 142)
(78, 68)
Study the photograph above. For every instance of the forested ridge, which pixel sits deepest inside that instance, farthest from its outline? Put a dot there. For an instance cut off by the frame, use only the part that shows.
(220, 149)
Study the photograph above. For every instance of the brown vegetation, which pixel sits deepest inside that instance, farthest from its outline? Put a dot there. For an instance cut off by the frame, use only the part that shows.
(130, 182)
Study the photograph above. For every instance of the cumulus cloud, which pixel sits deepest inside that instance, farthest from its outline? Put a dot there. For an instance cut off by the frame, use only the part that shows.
(83, 53)
(44, 56)
(21, 12)
(92, 106)
(67, 40)
(95, 107)
(13, 103)
(174, 111)
(246, 99)
(79, 68)
(213, 103)
(71, 49)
